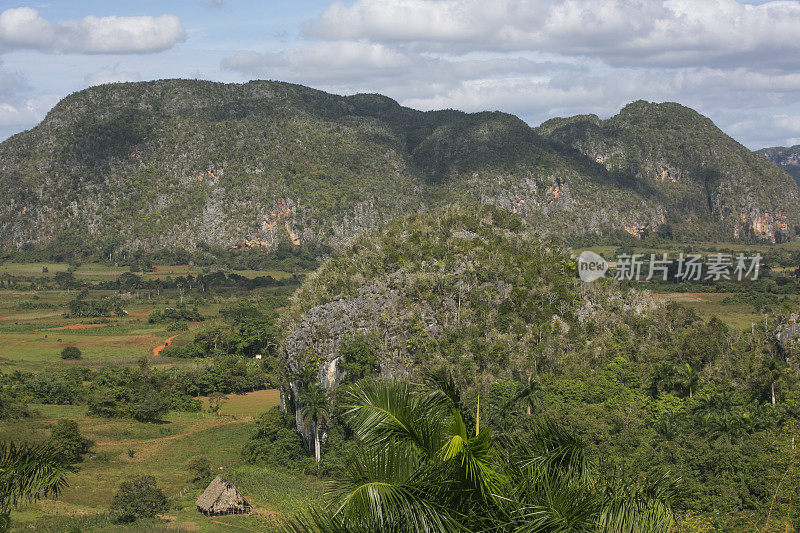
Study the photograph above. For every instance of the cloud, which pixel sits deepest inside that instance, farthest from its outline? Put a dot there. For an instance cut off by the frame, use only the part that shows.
(347, 66)
(111, 75)
(24, 28)
(671, 33)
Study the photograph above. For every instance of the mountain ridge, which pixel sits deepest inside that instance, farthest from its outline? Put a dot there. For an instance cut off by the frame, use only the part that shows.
(187, 163)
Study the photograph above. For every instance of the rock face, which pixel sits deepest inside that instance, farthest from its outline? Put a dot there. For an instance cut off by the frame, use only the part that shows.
(472, 289)
(186, 164)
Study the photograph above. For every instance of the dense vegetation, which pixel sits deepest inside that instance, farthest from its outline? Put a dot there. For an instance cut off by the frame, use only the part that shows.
(651, 388)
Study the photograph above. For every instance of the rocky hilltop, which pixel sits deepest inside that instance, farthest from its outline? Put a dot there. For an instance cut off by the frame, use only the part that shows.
(186, 164)
(701, 177)
(473, 289)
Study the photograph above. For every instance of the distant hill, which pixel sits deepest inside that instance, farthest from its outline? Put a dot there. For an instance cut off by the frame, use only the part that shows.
(786, 158)
(703, 180)
(186, 164)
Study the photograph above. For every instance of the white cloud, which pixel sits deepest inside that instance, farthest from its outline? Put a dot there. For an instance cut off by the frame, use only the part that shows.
(17, 113)
(672, 33)
(24, 28)
(111, 75)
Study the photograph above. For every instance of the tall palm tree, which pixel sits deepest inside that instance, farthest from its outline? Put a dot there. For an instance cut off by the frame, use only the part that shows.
(421, 469)
(687, 377)
(529, 393)
(315, 412)
(28, 473)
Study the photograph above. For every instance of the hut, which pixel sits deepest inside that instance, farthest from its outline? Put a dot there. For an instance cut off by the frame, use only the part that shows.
(221, 497)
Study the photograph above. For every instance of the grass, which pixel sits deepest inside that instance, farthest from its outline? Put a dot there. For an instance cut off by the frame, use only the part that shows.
(738, 316)
(99, 272)
(276, 494)
(250, 404)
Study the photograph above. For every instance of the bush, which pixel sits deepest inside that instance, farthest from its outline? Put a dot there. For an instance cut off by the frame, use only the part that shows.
(138, 498)
(177, 326)
(67, 441)
(199, 469)
(359, 359)
(148, 406)
(103, 403)
(70, 352)
(276, 442)
(179, 314)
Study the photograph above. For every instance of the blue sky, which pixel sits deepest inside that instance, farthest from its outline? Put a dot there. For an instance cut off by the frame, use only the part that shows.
(736, 62)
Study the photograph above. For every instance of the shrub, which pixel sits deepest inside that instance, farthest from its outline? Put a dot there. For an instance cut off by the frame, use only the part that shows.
(67, 442)
(359, 359)
(103, 403)
(199, 469)
(177, 326)
(179, 314)
(276, 442)
(138, 498)
(70, 352)
(148, 406)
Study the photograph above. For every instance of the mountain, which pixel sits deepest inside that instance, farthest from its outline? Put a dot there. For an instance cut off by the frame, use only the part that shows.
(187, 164)
(786, 158)
(700, 177)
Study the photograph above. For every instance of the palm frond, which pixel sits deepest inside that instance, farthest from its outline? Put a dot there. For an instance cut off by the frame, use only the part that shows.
(29, 472)
(383, 411)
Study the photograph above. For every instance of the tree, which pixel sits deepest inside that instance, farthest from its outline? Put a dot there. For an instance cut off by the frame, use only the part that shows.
(422, 468)
(687, 378)
(529, 393)
(28, 473)
(138, 498)
(70, 352)
(358, 358)
(199, 469)
(315, 412)
(148, 405)
(67, 442)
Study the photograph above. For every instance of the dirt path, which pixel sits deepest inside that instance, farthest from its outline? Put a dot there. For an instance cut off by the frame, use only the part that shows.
(74, 326)
(167, 342)
(171, 437)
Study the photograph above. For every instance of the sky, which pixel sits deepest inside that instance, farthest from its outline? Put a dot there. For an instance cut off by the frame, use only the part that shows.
(734, 61)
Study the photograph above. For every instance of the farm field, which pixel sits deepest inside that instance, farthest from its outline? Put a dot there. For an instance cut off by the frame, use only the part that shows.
(98, 272)
(126, 448)
(33, 332)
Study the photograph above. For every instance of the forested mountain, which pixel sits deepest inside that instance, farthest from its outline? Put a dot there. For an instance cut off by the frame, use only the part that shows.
(701, 177)
(650, 387)
(182, 164)
(786, 158)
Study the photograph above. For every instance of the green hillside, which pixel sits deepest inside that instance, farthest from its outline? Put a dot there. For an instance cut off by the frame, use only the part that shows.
(701, 178)
(186, 164)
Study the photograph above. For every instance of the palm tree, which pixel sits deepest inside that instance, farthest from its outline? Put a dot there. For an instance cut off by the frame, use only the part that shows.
(687, 377)
(315, 411)
(528, 393)
(28, 473)
(421, 469)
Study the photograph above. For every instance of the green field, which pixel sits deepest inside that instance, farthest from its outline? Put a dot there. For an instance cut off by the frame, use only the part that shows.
(32, 335)
(274, 493)
(98, 272)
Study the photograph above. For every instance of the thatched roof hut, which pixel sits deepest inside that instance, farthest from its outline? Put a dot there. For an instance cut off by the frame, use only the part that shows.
(221, 497)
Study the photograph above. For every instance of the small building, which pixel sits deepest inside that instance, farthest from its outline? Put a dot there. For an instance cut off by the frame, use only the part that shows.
(221, 497)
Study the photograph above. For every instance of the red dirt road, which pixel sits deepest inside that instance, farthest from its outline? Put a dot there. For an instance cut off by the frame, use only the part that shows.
(157, 349)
